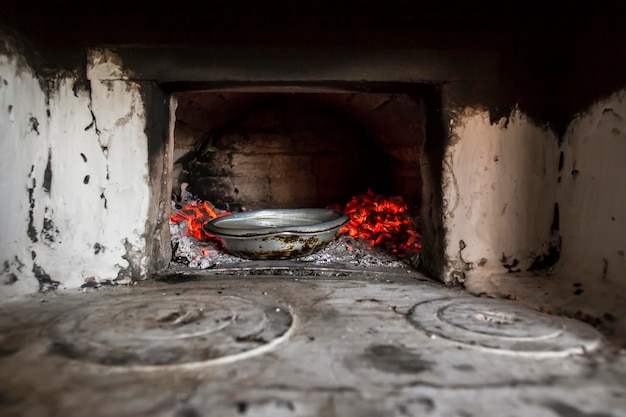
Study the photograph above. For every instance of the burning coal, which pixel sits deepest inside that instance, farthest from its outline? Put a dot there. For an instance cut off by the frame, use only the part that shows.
(195, 215)
(382, 221)
(190, 243)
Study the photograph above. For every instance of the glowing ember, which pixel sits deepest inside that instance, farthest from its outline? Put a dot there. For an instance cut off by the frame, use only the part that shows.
(378, 219)
(382, 221)
(196, 215)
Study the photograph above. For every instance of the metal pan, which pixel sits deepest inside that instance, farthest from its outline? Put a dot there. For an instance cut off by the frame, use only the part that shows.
(277, 233)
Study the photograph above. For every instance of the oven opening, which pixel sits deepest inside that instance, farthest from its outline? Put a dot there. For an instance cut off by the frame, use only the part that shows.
(360, 153)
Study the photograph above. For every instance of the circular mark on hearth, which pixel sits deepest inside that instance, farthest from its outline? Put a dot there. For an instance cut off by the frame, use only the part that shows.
(153, 329)
(501, 327)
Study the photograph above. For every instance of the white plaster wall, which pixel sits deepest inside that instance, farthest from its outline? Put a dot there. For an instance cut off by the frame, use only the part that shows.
(23, 156)
(499, 186)
(592, 194)
(89, 223)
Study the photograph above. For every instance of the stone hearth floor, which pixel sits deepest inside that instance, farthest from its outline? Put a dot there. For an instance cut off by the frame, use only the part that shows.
(362, 344)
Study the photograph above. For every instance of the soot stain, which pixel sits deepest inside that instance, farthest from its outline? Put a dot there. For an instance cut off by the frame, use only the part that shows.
(9, 275)
(47, 175)
(512, 266)
(49, 232)
(46, 231)
(97, 248)
(553, 254)
(395, 359)
(133, 256)
(34, 124)
(19, 265)
(31, 231)
(10, 279)
(612, 112)
(46, 283)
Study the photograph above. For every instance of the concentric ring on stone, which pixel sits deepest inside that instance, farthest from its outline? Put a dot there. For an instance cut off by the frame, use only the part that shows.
(502, 327)
(156, 329)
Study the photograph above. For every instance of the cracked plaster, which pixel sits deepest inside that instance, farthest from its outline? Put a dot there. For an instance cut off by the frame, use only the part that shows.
(76, 178)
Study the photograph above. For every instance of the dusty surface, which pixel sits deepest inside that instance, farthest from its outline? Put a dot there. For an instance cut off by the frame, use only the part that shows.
(344, 250)
(341, 343)
(597, 303)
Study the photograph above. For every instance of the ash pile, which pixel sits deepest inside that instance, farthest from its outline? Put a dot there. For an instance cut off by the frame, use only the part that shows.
(200, 254)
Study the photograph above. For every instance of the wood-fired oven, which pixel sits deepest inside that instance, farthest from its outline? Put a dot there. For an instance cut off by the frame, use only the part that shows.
(503, 146)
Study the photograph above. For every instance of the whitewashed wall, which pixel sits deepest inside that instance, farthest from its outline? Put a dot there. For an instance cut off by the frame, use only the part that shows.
(499, 191)
(80, 185)
(592, 194)
(73, 180)
(23, 158)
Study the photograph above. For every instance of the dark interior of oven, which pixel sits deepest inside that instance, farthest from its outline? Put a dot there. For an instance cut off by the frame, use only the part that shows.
(298, 149)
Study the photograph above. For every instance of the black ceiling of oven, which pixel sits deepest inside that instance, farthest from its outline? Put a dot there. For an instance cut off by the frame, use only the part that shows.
(553, 55)
(402, 24)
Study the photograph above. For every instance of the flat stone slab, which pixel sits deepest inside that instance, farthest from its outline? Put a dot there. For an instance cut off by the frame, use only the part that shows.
(268, 345)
